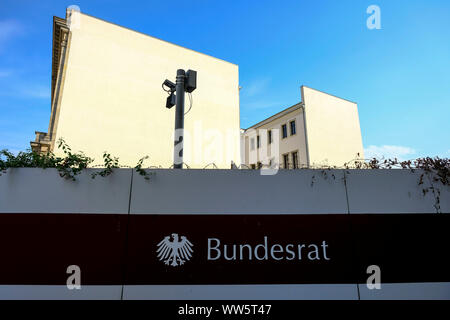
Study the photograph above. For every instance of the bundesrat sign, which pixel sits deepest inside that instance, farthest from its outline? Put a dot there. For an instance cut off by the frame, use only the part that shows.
(266, 251)
(177, 252)
(239, 249)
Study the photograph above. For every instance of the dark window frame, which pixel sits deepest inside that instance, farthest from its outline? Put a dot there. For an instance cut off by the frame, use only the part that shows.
(295, 161)
(293, 122)
(286, 161)
(284, 131)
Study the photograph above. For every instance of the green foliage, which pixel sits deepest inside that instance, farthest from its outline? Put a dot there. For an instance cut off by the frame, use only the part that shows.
(109, 163)
(141, 171)
(68, 166)
(72, 164)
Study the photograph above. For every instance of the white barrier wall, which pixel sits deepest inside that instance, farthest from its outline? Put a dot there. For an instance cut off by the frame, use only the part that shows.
(390, 191)
(113, 220)
(30, 190)
(220, 191)
(239, 192)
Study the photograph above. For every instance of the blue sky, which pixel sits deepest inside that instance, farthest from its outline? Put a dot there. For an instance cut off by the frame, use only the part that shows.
(399, 75)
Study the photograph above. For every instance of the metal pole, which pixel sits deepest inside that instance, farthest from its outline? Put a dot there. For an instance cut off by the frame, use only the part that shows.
(179, 121)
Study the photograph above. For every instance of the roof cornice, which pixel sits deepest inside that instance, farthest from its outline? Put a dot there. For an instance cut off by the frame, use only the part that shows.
(59, 28)
(277, 115)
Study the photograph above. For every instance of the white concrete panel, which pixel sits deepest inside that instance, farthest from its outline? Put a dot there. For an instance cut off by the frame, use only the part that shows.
(387, 191)
(242, 292)
(239, 192)
(58, 292)
(29, 190)
(407, 291)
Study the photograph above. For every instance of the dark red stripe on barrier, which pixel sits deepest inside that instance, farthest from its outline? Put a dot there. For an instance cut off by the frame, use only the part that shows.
(38, 248)
(260, 249)
(407, 247)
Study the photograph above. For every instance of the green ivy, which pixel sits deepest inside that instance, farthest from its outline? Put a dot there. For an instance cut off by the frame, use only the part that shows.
(109, 165)
(68, 166)
(141, 171)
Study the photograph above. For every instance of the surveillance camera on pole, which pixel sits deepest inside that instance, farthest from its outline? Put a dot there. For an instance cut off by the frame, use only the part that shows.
(186, 82)
(171, 98)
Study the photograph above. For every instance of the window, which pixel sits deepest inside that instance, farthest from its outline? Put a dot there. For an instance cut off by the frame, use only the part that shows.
(293, 129)
(295, 159)
(258, 143)
(286, 161)
(269, 136)
(252, 144)
(284, 131)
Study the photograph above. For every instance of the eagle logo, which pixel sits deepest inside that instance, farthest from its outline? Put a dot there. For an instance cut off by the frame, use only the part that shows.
(176, 252)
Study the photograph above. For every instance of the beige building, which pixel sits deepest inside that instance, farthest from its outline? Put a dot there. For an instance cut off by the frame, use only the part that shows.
(321, 130)
(107, 96)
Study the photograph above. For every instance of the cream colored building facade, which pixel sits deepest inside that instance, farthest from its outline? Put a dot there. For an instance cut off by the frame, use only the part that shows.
(321, 130)
(107, 96)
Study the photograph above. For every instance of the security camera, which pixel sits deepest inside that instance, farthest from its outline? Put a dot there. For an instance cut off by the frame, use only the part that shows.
(191, 80)
(169, 84)
(171, 101)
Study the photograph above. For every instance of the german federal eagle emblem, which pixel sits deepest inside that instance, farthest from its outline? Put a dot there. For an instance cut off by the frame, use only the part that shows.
(175, 252)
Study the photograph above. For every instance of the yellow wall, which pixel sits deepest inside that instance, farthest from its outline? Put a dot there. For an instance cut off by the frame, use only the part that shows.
(328, 132)
(332, 128)
(112, 98)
